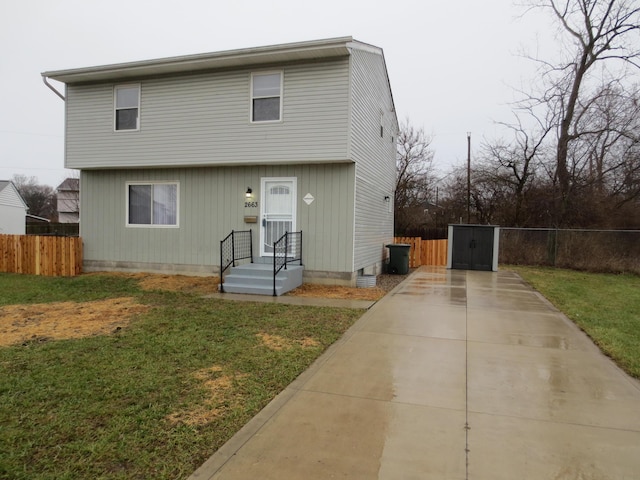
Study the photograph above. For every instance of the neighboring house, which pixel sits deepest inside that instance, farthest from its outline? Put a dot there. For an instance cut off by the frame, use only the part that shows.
(431, 214)
(169, 149)
(13, 210)
(68, 200)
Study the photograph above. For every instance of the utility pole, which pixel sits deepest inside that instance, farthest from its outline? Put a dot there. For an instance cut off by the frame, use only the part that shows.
(468, 177)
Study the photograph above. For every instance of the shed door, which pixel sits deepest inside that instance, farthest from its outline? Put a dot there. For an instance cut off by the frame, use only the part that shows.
(472, 248)
(461, 252)
(278, 211)
(482, 249)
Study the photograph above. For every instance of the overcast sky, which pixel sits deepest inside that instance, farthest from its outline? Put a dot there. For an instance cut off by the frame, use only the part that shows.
(452, 64)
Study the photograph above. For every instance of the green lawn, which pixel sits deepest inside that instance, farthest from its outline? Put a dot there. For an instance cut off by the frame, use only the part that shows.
(605, 306)
(153, 399)
(156, 398)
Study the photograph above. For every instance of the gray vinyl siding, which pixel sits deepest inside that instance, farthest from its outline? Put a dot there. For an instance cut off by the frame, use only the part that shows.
(12, 220)
(372, 107)
(203, 119)
(12, 210)
(10, 197)
(211, 204)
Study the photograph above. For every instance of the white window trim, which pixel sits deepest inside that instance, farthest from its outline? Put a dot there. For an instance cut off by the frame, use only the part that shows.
(162, 182)
(115, 109)
(251, 97)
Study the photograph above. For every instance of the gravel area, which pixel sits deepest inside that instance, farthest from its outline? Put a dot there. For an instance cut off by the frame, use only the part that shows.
(388, 282)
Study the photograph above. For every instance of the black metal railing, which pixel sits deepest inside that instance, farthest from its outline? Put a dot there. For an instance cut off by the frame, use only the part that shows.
(287, 249)
(238, 245)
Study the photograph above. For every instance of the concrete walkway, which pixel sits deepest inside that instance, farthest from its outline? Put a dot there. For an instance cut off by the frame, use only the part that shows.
(453, 375)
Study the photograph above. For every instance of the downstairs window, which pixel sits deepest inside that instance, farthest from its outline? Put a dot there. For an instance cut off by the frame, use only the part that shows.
(152, 204)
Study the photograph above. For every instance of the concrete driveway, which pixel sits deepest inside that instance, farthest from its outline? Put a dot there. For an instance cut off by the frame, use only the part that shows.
(453, 375)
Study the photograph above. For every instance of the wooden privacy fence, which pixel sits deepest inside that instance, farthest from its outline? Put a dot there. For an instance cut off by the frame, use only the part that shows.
(41, 255)
(425, 252)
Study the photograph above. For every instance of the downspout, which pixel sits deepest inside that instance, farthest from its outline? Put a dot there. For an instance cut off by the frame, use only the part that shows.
(44, 79)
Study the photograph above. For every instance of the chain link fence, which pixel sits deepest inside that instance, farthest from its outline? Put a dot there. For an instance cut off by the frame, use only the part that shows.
(592, 250)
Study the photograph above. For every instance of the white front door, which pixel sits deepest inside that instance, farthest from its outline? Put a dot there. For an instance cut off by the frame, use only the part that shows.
(278, 211)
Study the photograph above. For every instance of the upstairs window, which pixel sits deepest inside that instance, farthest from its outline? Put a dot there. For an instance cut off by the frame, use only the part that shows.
(266, 97)
(152, 204)
(127, 107)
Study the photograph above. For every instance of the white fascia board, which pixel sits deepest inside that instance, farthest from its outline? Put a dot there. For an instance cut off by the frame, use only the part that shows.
(291, 52)
(356, 45)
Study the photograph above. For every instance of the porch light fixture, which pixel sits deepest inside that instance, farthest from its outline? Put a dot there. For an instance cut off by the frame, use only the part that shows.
(248, 192)
(387, 198)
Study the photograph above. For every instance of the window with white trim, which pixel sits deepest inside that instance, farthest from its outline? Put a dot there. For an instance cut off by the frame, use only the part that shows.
(152, 204)
(127, 107)
(266, 97)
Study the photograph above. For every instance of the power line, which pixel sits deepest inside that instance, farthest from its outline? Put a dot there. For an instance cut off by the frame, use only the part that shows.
(20, 167)
(32, 134)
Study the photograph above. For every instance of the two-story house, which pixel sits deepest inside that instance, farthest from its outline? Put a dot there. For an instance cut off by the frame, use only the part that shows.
(176, 153)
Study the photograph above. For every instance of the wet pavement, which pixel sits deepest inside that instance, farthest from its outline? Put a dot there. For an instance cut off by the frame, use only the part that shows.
(453, 375)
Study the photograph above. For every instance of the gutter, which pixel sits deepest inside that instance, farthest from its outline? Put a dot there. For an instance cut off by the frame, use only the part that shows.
(242, 58)
(44, 79)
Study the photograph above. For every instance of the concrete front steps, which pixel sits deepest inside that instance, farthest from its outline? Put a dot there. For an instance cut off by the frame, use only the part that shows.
(257, 279)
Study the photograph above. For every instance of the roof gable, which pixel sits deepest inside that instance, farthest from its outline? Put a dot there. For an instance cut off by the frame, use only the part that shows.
(69, 184)
(10, 196)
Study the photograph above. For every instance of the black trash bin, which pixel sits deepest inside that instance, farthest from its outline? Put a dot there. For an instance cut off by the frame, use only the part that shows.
(398, 258)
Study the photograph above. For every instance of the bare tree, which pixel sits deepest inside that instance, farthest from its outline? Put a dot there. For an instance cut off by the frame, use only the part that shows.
(614, 124)
(414, 176)
(592, 33)
(514, 163)
(40, 199)
(453, 196)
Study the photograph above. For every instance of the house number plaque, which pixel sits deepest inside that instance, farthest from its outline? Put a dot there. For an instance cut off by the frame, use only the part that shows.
(250, 211)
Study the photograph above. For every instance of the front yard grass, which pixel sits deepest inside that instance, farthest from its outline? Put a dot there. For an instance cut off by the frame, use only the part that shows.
(605, 306)
(155, 396)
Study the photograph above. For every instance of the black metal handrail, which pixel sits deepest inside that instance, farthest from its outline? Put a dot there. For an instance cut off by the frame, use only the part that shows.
(238, 245)
(287, 249)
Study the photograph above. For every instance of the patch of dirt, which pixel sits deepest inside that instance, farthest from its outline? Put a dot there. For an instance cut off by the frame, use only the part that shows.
(41, 322)
(384, 284)
(309, 342)
(54, 321)
(276, 342)
(218, 387)
(208, 285)
(180, 283)
(172, 283)
(338, 292)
